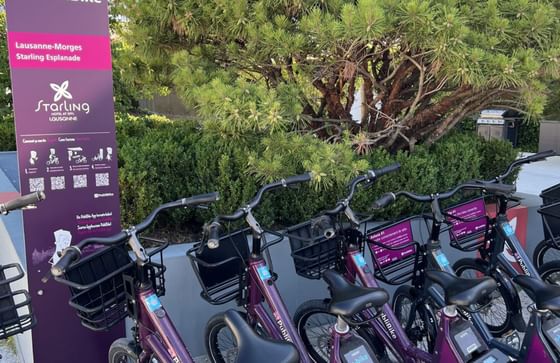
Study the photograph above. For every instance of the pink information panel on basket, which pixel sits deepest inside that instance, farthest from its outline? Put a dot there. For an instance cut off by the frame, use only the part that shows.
(475, 210)
(396, 235)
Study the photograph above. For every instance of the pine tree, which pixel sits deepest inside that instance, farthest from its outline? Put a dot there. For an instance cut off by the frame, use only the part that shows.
(421, 66)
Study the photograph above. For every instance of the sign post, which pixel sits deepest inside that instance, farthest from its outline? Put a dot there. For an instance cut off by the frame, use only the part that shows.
(60, 60)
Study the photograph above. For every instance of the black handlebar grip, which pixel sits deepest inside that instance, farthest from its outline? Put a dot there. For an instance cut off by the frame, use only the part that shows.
(201, 199)
(499, 188)
(69, 255)
(213, 235)
(387, 169)
(23, 201)
(384, 201)
(296, 179)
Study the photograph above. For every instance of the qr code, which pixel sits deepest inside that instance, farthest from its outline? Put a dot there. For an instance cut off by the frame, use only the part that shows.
(36, 184)
(102, 180)
(80, 181)
(58, 183)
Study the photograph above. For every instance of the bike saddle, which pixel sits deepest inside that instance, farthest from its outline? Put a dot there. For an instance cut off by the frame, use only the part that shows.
(252, 348)
(348, 299)
(546, 296)
(459, 291)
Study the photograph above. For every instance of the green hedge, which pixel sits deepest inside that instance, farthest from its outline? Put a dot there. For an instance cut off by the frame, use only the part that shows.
(162, 160)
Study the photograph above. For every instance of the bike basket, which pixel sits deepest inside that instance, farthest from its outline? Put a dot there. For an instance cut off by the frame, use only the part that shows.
(220, 271)
(97, 284)
(551, 222)
(551, 195)
(394, 250)
(469, 224)
(314, 249)
(16, 315)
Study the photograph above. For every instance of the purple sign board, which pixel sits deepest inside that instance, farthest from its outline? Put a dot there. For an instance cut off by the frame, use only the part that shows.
(394, 236)
(474, 212)
(60, 60)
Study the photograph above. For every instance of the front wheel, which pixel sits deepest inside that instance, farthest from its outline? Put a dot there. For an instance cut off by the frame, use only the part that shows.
(497, 308)
(545, 252)
(220, 343)
(418, 321)
(314, 324)
(123, 351)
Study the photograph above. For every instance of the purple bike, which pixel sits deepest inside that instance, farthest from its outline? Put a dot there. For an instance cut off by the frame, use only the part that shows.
(227, 271)
(331, 238)
(108, 285)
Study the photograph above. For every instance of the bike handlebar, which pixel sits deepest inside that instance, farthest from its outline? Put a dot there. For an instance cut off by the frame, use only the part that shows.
(241, 212)
(370, 176)
(21, 202)
(213, 229)
(493, 188)
(530, 159)
(73, 253)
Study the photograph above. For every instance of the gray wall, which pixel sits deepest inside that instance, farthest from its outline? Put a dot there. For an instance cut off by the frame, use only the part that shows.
(190, 312)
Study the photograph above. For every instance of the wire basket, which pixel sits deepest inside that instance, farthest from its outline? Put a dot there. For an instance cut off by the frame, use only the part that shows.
(394, 251)
(98, 284)
(315, 246)
(16, 314)
(220, 271)
(551, 195)
(469, 224)
(551, 222)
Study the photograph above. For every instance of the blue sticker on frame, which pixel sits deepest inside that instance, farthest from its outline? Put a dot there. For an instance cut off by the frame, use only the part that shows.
(360, 260)
(508, 229)
(264, 273)
(442, 260)
(153, 303)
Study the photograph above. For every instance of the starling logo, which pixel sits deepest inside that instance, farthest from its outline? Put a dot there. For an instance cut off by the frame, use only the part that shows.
(62, 108)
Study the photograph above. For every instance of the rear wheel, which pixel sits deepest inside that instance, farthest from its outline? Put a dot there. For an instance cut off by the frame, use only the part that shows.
(496, 309)
(418, 322)
(314, 323)
(545, 252)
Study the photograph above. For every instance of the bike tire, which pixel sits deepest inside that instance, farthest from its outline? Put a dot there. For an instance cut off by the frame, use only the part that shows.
(320, 350)
(222, 350)
(124, 350)
(424, 324)
(550, 272)
(500, 304)
(216, 347)
(545, 252)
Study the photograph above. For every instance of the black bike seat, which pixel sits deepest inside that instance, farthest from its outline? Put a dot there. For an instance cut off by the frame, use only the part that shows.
(459, 291)
(546, 296)
(349, 299)
(253, 348)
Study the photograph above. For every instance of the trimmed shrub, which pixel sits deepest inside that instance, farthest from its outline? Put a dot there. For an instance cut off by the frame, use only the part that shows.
(162, 160)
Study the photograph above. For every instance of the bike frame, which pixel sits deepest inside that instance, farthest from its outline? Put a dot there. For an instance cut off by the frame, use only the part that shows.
(260, 288)
(156, 333)
(386, 326)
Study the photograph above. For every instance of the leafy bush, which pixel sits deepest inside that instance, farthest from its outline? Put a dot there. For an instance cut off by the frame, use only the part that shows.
(162, 160)
(7, 133)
